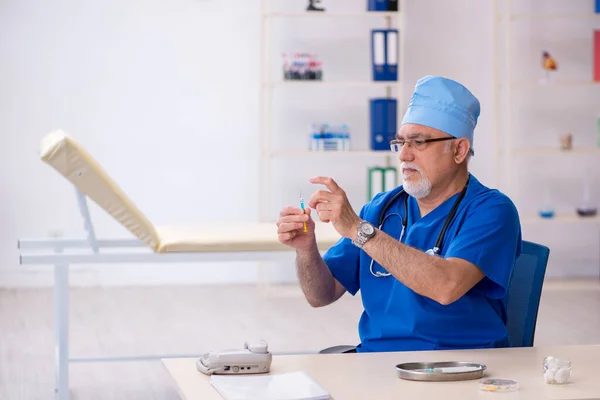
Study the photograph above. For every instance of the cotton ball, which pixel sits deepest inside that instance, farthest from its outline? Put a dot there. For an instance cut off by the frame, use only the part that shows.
(549, 375)
(562, 375)
(551, 361)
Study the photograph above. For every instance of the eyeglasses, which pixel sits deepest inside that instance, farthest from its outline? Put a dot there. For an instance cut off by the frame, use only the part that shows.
(418, 144)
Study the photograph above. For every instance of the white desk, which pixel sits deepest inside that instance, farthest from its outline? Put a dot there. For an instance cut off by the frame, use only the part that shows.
(372, 375)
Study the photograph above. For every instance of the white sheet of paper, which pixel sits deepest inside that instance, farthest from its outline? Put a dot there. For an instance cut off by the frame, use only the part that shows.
(288, 386)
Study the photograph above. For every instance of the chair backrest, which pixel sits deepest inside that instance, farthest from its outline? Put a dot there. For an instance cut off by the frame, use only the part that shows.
(524, 293)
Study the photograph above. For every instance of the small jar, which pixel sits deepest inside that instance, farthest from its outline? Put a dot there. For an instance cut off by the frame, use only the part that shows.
(557, 371)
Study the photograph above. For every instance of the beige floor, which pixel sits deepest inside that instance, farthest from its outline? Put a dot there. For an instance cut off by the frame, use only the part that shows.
(191, 320)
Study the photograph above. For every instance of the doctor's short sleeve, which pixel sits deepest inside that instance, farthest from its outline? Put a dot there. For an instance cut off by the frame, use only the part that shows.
(343, 260)
(490, 238)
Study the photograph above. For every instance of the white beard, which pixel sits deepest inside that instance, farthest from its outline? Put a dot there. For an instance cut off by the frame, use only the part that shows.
(419, 189)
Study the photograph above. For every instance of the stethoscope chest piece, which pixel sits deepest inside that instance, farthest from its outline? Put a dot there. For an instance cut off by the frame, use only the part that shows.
(433, 252)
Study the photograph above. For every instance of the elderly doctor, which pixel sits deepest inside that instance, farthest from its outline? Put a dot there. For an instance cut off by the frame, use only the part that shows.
(433, 258)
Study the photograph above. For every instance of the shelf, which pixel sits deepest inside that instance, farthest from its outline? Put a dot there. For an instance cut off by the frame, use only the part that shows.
(340, 22)
(352, 153)
(330, 14)
(573, 83)
(555, 150)
(575, 16)
(559, 218)
(333, 83)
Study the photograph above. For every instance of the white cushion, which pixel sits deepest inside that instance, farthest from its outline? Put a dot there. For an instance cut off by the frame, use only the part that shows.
(69, 158)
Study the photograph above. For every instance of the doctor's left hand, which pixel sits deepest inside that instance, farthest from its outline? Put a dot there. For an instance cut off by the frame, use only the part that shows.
(333, 206)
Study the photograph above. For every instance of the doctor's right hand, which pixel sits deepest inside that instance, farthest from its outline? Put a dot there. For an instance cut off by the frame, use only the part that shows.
(290, 228)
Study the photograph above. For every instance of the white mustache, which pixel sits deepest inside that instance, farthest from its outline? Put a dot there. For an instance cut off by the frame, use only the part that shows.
(405, 164)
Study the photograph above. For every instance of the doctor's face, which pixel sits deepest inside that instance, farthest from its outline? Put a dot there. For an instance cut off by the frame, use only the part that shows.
(425, 158)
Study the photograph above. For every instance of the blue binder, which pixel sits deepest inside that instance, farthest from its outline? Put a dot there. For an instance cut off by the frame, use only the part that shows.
(597, 6)
(377, 5)
(383, 122)
(384, 54)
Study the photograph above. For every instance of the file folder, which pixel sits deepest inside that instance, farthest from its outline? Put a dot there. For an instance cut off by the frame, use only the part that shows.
(390, 178)
(383, 122)
(381, 179)
(384, 54)
(377, 5)
(376, 182)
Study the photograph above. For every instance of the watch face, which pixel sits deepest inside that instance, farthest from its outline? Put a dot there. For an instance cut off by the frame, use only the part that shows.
(367, 229)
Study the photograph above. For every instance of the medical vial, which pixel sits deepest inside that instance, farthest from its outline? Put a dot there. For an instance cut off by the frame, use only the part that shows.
(557, 371)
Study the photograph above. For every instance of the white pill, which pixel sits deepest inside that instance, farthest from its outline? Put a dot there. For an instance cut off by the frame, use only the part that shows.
(549, 375)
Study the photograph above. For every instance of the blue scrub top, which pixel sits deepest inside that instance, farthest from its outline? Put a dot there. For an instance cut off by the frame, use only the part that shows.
(486, 232)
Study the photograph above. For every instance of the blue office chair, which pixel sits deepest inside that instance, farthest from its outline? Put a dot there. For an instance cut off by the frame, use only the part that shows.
(524, 295)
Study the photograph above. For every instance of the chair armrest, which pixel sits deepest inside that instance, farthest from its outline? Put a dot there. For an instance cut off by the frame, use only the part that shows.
(338, 349)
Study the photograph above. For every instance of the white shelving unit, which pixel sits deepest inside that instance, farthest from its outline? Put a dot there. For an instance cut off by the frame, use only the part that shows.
(532, 16)
(329, 14)
(326, 154)
(506, 18)
(326, 84)
(269, 84)
(569, 218)
(532, 151)
(526, 164)
(571, 83)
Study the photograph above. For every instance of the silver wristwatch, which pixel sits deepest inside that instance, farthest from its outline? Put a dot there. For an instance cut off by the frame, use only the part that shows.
(365, 232)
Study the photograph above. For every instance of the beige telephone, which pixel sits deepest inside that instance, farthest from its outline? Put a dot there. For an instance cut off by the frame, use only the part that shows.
(254, 358)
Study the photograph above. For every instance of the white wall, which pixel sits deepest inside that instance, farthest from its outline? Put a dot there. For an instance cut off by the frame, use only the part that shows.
(176, 84)
(165, 96)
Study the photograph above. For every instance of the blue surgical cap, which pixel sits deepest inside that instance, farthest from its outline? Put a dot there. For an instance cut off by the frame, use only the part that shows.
(443, 104)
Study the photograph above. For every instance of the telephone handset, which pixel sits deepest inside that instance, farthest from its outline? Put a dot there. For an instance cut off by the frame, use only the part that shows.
(254, 358)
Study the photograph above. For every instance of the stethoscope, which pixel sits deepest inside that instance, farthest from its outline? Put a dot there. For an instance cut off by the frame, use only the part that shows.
(437, 248)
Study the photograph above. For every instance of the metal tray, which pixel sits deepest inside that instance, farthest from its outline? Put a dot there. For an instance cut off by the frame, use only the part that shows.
(440, 371)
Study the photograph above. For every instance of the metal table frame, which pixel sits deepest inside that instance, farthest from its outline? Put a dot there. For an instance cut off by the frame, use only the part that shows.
(62, 253)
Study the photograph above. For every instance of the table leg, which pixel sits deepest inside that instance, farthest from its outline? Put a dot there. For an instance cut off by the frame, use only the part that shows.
(61, 331)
